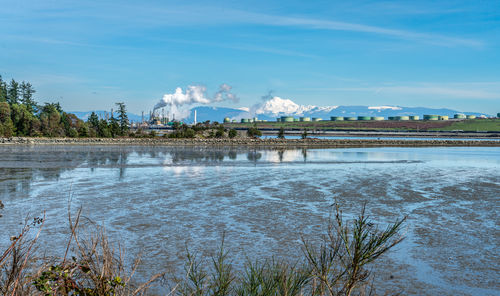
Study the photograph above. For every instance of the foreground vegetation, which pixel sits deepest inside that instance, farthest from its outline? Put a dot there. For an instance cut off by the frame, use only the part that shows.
(337, 264)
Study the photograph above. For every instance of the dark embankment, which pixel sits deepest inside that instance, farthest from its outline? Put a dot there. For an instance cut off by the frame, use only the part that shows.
(318, 143)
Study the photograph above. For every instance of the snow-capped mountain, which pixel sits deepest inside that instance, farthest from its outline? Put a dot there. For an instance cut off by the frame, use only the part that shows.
(277, 106)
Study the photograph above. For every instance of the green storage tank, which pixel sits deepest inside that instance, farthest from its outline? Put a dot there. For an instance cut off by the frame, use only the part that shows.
(305, 119)
(337, 118)
(233, 121)
(244, 120)
(317, 119)
(431, 117)
(295, 119)
(364, 117)
(443, 117)
(403, 118)
(391, 118)
(471, 116)
(498, 115)
(459, 116)
(414, 117)
(350, 118)
(278, 119)
(377, 118)
(227, 120)
(286, 119)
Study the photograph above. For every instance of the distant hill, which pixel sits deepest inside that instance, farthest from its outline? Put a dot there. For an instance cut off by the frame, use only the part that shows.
(84, 115)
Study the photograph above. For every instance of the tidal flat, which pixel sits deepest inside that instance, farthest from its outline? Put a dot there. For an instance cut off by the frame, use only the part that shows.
(157, 200)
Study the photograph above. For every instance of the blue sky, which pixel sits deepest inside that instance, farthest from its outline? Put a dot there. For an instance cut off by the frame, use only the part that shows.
(90, 54)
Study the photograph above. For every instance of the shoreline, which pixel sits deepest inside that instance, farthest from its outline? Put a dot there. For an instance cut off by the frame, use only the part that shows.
(250, 142)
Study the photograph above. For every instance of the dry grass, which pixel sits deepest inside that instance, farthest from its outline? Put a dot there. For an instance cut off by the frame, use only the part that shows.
(91, 265)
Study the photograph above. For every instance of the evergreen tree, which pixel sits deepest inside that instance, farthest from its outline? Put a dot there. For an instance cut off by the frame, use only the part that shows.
(23, 120)
(304, 134)
(13, 92)
(93, 120)
(114, 127)
(6, 125)
(27, 92)
(281, 133)
(103, 129)
(3, 90)
(122, 118)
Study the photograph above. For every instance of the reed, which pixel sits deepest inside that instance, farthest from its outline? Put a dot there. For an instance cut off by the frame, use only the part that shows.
(336, 264)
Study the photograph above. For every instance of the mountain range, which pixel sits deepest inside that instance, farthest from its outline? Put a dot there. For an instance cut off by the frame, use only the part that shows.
(276, 107)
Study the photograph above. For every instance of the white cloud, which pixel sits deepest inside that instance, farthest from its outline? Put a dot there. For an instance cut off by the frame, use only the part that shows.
(384, 108)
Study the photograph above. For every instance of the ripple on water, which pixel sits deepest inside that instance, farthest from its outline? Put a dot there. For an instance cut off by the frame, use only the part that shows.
(158, 199)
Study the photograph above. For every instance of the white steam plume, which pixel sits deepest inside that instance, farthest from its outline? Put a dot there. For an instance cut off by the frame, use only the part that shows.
(195, 94)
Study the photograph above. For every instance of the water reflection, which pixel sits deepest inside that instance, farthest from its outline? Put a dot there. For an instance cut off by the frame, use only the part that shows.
(49, 163)
(158, 198)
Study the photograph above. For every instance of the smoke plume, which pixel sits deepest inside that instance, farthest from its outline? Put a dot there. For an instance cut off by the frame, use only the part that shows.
(195, 94)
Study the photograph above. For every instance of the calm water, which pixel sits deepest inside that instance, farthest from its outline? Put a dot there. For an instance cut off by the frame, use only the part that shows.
(385, 138)
(158, 199)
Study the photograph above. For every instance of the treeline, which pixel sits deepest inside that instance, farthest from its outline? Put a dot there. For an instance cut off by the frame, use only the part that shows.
(21, 115)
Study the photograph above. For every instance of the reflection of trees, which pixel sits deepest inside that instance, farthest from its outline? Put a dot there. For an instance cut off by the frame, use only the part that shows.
(254, 156)
(280, 154)
(232, 154)
(19, 168)
(20, 179)
(198, 156)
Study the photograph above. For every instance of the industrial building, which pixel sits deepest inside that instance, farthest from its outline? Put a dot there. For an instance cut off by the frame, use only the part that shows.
(430, 117)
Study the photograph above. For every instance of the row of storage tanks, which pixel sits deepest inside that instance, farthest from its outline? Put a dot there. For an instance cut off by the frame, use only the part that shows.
(358, 118)
(376, 118)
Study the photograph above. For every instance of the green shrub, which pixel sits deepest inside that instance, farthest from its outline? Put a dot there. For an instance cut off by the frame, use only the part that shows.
(281, 133)
(254, 132)
(232, 133)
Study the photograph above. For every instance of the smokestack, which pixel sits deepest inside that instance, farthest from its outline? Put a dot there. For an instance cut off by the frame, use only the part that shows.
(142, 117)
(195, 116)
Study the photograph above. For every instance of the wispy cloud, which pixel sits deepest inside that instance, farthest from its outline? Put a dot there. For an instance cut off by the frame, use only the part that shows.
(320, 24)
(240, 47)
(223, 16)
(107, 17)
(473, 90)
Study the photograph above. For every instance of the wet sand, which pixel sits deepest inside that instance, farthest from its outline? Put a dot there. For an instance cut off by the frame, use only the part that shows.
(158, 199)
